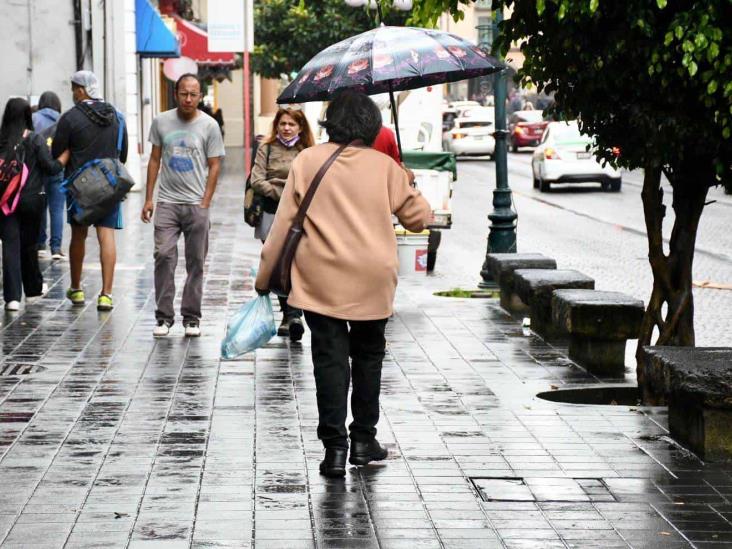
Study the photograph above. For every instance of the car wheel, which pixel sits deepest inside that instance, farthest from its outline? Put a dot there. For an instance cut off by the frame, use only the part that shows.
(514, 147)
(536, 183)
(544, 186)
(616, 184)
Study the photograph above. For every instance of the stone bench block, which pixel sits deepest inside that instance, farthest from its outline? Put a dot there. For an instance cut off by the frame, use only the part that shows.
(535, 288)
(599, 323)
(502, 267)
(697, 385)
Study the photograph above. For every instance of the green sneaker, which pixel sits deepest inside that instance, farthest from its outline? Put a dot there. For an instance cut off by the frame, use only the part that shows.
(104, 302)
(75, 296)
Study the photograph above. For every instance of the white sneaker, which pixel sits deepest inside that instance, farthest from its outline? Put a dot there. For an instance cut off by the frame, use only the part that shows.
(193, 329)
(162, 329)
(43, 253)
(12, 306)
(58, 255)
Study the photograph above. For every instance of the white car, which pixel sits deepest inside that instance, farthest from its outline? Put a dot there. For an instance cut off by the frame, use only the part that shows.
(472, 135)
(563, 157)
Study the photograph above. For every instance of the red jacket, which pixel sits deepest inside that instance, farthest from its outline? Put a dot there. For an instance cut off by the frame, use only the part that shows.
(386, 143)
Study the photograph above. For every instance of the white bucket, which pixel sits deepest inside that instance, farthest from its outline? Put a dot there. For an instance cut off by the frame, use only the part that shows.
(412, 252)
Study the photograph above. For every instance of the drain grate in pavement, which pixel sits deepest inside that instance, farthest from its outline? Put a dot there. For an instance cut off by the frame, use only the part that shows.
(547, 489)
(10, 370)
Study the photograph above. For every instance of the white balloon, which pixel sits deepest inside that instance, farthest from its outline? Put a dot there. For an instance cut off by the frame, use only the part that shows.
(403, 5)
(356, 3)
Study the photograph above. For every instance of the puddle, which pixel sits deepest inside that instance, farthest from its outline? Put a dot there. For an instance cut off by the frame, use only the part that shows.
(608, 395)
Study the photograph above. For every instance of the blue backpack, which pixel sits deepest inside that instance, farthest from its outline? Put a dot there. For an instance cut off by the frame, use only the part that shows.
(98, 185)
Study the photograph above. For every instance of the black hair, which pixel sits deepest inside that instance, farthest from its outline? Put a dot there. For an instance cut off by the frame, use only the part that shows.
(352, 115)
(16, 119)
(49, 100)
(188, 75)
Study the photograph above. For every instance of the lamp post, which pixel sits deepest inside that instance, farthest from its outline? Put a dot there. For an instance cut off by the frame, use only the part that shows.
(503, 219)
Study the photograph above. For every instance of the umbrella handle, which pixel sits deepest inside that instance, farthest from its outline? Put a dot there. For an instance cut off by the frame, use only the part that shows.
(396, 120)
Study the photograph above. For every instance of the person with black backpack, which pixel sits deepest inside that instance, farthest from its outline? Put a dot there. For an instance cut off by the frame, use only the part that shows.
(20, 214)
(92, 129)
(44, 123)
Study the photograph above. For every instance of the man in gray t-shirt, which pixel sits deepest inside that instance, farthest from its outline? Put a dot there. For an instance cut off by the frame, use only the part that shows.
(188, 144)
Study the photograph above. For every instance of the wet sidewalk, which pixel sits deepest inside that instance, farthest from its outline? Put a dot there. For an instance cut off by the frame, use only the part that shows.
(109, 438)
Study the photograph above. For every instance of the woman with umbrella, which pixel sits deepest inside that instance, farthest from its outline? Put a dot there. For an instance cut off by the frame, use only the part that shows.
(345, 270)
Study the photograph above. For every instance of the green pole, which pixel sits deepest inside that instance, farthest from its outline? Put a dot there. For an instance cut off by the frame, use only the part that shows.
(503, 220)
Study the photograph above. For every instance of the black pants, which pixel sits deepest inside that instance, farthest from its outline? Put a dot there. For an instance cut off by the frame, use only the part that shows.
(19, 233)
(332, 344)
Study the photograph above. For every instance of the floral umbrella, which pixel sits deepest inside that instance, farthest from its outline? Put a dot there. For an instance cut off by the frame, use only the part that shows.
(388, 59)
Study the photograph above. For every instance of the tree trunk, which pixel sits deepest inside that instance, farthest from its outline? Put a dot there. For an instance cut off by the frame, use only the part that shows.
(672, 271)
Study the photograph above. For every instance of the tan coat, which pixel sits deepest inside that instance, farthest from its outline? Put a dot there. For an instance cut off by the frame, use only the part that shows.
(346, 263)
(269, 177)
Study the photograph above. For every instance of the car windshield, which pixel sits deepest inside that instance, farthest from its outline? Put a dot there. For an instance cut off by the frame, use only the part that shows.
(529, 116)
(569, 134)
(475, 124)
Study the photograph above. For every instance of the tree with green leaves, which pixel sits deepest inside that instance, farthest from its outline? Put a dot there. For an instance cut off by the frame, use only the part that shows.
(653, 77)
(290, 32)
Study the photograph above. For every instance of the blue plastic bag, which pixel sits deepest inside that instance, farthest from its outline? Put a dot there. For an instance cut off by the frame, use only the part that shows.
(250, 328)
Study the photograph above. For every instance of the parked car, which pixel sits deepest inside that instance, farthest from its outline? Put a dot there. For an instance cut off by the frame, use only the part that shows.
(473, 135)
(526, 128)
(566, 156)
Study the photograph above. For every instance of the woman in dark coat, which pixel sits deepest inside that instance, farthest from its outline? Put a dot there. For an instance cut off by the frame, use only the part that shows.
(19, 230)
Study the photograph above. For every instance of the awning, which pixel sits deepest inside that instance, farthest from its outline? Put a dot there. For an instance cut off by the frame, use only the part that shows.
(194, 44)
(154, 38)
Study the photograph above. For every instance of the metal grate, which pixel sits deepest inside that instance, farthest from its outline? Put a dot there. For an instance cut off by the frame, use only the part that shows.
(542, 489)
(11, 370)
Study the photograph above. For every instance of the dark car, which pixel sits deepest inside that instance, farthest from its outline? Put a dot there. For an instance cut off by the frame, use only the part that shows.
(526, 128)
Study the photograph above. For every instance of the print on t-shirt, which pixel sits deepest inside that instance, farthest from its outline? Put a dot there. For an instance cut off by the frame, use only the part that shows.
(179, 152)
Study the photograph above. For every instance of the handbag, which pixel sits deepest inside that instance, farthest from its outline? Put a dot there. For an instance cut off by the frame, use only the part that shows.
(253, 201)
(98, 185)
(279, 281)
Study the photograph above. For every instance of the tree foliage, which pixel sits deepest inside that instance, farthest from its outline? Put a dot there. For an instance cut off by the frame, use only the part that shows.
(653, 77)
(290, 32)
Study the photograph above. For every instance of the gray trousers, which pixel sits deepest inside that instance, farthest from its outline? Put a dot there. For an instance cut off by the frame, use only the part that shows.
(170, 221)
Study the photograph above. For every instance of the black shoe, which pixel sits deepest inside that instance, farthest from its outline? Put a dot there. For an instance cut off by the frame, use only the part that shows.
(296, 329)
(334, 464)
(365, 452)
(284, 328)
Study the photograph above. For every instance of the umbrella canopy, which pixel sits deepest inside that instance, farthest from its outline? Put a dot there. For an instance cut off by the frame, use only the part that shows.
(388, 59)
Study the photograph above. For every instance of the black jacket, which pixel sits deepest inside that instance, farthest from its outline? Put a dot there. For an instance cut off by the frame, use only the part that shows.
(40, 163)
(90, 130)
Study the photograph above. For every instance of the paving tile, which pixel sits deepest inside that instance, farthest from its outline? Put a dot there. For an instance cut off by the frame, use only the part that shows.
(124, 438)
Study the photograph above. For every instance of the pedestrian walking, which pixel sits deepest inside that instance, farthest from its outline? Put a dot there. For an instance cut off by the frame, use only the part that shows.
(187, 143)
(44, 123)
(290, 135)
(344, 273)
(19, 228)
(90, 130)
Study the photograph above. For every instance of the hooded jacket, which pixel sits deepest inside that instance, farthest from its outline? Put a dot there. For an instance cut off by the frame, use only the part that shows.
(44, 119)
(89, 130)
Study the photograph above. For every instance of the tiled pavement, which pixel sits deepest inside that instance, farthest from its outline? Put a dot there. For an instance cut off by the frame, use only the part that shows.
(117, 440)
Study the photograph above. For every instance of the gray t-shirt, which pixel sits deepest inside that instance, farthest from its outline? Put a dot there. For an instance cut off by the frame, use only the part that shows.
(186, 147)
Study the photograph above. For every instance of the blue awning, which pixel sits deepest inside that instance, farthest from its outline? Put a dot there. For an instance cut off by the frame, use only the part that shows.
(154, 38)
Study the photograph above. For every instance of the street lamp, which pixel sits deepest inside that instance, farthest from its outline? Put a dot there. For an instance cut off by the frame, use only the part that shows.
(502, 232)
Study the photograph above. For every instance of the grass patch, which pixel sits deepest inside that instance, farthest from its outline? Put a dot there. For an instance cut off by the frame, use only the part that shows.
(463, 293)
